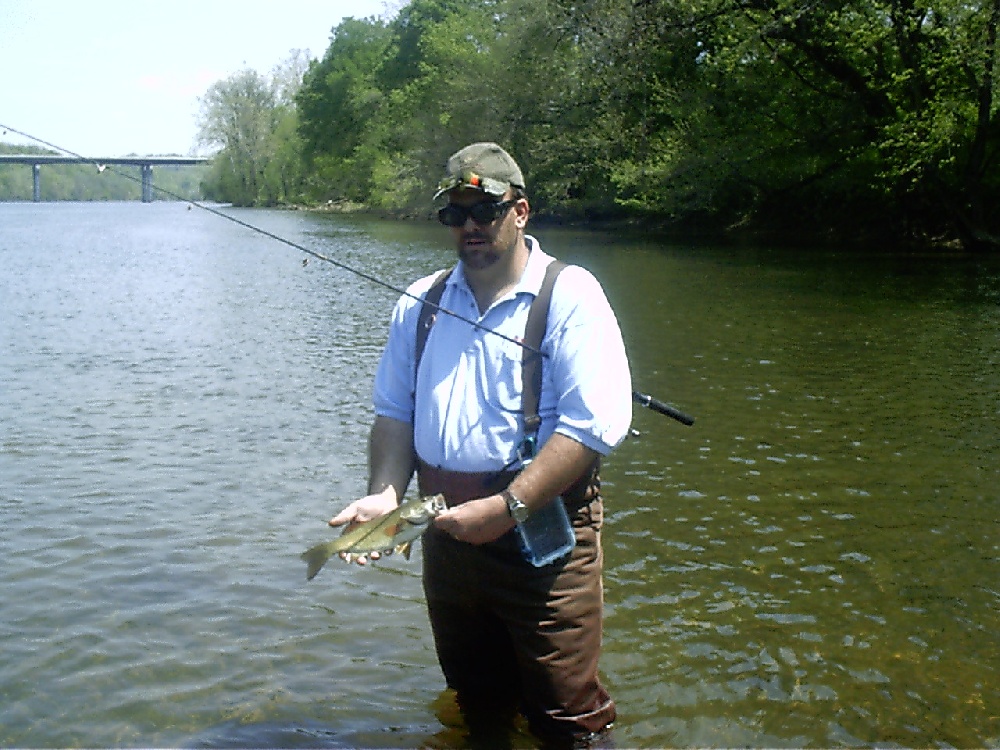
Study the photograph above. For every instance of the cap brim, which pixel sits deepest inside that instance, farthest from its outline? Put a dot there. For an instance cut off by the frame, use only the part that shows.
(487, 185)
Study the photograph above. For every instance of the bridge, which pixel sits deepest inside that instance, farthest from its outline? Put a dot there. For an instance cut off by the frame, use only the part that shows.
(145, 164)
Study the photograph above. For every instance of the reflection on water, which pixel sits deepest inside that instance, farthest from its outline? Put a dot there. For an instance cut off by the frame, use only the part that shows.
(183, 404)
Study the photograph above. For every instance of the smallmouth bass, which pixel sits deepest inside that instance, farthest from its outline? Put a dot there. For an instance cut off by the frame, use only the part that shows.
(395, 530)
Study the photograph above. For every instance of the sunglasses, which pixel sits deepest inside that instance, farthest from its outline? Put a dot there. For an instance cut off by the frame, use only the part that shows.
(483, 213)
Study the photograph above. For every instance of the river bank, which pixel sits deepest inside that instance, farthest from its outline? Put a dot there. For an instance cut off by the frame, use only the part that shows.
(869, 238)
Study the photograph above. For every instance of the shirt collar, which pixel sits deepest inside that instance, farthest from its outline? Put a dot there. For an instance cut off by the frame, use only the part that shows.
(534, 272)
(531, 278)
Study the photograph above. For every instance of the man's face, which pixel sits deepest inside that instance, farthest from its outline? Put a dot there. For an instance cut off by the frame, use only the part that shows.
(483, 245)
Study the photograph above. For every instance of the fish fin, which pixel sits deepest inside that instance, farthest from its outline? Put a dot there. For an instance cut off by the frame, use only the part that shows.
(406, 549)
(315, 558)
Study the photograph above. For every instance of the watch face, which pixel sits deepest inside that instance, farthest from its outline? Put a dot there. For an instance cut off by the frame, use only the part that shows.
(517, 509)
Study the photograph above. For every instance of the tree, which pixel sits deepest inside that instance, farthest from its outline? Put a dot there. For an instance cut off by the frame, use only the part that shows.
(854, 117)
(252, 119)
(755, 110)
(338, 98)
(239, 114)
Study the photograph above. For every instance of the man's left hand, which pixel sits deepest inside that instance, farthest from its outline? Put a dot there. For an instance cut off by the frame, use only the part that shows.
(478, 521)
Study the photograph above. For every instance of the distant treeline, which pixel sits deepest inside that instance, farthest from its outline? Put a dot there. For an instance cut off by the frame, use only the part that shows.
(83, 182)
(872, 120)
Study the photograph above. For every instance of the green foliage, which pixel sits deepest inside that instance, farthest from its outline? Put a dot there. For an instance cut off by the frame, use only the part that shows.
(253, 121)
(339, 94)
(874, 117)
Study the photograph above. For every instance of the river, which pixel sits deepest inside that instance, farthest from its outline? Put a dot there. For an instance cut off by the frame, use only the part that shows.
(184, 402)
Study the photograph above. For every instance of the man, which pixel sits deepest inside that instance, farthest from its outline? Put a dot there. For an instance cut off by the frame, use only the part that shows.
(509, 635)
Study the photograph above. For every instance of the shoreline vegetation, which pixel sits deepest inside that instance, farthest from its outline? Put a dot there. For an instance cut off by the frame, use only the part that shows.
(871, 124)
(187, 184)
(664, 228)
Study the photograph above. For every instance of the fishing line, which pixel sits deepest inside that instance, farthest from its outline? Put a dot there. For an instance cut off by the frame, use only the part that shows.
(319, 256)
(641, 398)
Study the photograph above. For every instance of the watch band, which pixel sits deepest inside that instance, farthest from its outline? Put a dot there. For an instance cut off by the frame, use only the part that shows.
(515, 508)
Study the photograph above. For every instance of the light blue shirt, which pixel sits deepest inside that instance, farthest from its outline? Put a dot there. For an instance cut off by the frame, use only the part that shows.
(466, 404)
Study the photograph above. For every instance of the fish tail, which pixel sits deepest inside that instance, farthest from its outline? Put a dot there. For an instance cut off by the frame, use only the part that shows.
(315, 558)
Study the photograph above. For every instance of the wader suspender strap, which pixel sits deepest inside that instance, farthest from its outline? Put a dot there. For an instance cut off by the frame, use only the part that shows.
(428, 314)
(531, 361)
(534, 332)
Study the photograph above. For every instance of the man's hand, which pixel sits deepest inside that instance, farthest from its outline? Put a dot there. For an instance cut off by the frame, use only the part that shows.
(477, 521)
(363, 510)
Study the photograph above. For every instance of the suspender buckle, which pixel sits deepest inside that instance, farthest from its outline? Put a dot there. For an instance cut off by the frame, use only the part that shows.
(526, 450)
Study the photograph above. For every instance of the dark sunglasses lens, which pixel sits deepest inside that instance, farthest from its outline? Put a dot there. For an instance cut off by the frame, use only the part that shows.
(485, 213)
(482, 213)
(452, 215)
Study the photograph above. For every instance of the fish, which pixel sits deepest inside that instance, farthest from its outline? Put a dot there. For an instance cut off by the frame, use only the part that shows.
(395, 530)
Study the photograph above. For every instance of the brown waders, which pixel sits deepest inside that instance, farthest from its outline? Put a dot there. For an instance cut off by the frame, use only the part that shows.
(509, 635)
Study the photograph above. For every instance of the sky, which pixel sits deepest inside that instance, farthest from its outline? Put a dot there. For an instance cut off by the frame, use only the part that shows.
(119, 77)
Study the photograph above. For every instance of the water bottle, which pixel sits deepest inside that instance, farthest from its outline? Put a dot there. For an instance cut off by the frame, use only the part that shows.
(546, 535)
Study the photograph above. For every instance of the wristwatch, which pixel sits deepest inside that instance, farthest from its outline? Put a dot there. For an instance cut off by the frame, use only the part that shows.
(517, 510)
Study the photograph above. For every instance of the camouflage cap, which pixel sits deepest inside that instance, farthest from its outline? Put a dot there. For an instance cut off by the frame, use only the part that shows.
(481, 166)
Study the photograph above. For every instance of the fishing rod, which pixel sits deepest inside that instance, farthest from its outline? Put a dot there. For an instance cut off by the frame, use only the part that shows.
(278, 238)
(665, 409)
(641, 398)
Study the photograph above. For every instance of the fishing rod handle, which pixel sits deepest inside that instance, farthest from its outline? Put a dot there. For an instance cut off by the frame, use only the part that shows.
(656, 405)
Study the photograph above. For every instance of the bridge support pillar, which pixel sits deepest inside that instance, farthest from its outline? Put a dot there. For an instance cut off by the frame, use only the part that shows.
(147, 183)
(36, 182)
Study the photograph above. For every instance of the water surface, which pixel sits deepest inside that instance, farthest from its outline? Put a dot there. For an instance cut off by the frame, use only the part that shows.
(183, 403)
